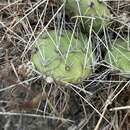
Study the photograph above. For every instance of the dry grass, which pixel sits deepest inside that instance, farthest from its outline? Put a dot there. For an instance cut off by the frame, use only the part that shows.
(98, 103)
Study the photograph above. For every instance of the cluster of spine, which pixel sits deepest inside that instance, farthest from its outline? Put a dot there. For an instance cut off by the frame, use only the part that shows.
(118, 57)
(90, 13)
(64, 57)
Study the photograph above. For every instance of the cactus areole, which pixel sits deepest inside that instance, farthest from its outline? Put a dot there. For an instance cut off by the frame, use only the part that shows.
(118, 57)
(63, 57)
(87, 10)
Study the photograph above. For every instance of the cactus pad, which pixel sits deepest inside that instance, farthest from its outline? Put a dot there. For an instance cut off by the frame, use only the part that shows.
(119, 57)
(63, 57)
(87, 9)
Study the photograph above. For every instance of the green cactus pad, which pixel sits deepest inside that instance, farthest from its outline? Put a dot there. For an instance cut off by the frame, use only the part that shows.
(63, 57)
(88, 8)
(119, 57)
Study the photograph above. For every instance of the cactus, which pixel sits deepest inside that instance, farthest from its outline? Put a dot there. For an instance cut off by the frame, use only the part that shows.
(118, 57)
(63, 57)
(88, 8)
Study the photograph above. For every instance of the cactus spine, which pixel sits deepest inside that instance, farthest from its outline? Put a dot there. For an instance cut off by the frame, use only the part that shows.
(63, 57)
(86, 10)
(119, 57)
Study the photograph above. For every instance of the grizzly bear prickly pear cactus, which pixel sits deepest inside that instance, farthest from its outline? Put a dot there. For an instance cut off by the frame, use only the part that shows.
(63, 57)
(86, 10)
(118, 57)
